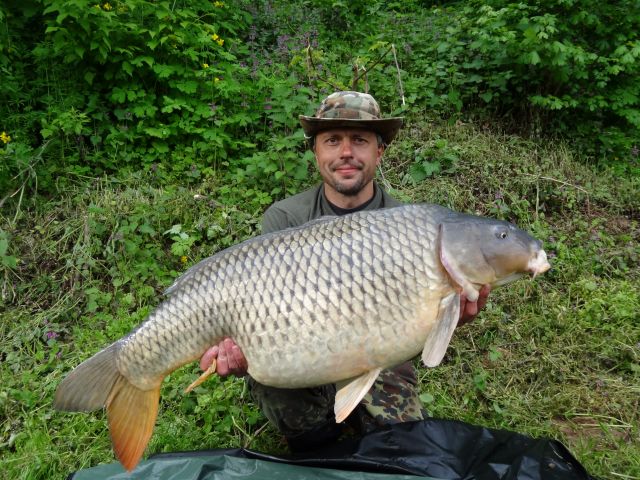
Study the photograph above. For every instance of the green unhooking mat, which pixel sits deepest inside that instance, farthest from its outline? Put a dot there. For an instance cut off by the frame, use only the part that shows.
(436, 449)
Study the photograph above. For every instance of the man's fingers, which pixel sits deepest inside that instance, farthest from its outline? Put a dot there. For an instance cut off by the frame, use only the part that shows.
(229, 359)
(240, 361)
(227, 351)
(236, 361)
(463, 305)
(223, 360)
(470, 309)
(484, 295)
(208, 357)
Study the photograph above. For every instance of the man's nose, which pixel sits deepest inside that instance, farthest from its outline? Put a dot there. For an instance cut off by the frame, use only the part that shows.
(346, 148)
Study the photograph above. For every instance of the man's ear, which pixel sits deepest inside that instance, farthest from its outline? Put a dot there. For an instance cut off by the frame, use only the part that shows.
(380, 153)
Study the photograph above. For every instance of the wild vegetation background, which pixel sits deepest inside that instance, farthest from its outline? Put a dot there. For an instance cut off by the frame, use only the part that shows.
(137, 137)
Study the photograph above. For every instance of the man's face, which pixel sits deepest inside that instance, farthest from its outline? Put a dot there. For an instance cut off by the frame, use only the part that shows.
(347, 158)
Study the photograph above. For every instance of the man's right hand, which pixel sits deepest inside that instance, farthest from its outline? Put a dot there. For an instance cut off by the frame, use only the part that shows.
(230, 359)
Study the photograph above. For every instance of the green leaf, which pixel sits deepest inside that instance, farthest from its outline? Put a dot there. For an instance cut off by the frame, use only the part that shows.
(10, 261)
(146, 228)
(163, 132)
(89, 76)
(426, 398)
(187, 87)
(163, 71)
(118, 95)
(430, 168)
(487, 97)
(417, 173)
(127, 67)
(494, 355)
(174, 230)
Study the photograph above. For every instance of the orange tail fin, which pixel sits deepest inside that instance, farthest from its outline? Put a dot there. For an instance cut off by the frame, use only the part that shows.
(132, 415)
(131, 411)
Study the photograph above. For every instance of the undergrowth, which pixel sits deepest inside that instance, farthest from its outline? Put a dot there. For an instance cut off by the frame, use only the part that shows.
(557, 357)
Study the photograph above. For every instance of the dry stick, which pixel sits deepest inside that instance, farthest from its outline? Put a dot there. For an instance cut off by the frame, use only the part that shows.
(563, 183)
(385, 182)
(310, 58)
(395, 59)
(365, 69)
(249, 438)
(557, 181)
(29, 167)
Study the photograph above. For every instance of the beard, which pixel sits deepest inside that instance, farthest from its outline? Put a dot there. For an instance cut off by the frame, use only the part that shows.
(353, 186)
(351, 189)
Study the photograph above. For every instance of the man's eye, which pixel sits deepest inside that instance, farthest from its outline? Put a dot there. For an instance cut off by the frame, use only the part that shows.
(359, 140)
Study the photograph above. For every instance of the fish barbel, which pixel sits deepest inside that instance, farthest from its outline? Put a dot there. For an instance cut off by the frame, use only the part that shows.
(333, 301)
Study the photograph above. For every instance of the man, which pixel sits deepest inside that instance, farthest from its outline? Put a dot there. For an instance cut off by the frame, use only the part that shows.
(348, 137)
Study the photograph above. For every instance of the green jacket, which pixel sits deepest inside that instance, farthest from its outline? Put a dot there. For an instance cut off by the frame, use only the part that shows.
(311, 204)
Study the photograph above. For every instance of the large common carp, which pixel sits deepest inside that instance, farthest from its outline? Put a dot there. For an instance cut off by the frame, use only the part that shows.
(333, 301)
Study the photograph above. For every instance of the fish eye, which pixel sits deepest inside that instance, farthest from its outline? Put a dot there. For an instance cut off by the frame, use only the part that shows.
(502, 235)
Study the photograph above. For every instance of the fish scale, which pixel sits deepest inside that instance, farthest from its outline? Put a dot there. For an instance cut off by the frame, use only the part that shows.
(335, 300)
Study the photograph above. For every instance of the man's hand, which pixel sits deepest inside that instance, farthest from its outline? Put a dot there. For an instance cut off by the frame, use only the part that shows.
(230, 359)
(469, 310)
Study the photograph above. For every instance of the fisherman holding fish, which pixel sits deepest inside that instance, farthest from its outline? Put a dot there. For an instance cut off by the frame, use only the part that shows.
(348, 137)
(325, 314)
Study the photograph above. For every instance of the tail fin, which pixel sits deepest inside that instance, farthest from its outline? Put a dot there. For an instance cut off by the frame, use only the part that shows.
(131, 412)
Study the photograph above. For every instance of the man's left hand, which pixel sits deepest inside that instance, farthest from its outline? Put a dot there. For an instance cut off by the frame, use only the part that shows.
(468, 309)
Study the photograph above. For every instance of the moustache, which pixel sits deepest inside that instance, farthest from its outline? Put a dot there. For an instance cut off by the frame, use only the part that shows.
(358, 166)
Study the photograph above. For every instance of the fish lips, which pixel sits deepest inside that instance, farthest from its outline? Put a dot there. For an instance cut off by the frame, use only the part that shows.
(538, 264)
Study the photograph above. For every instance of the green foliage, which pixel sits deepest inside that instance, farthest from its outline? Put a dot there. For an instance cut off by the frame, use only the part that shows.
(123, 83)
(155, 75)
(545, 64)
(190, 88)
(435, 157)
(7, 261)
(137, 138)
(93, 262)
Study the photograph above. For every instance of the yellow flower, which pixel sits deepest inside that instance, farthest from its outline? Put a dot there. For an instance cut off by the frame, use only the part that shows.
(215, 36)
(215, 80)
(218, 4)
(107, 6)
(5, 138)
(97, 5)
(183, 259)
(205, 65)
(220, 42)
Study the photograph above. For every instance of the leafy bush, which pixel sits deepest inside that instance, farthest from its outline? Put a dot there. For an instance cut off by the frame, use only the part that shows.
(130, 84)
(563, 67)
(190, 88)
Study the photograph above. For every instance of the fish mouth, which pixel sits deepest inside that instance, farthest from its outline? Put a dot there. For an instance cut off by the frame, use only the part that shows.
(538, 264)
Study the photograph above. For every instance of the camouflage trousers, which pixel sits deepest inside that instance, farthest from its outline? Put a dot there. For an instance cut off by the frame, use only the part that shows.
(295, 412)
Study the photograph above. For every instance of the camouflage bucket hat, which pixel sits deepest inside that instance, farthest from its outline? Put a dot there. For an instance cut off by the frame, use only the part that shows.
(353, 110)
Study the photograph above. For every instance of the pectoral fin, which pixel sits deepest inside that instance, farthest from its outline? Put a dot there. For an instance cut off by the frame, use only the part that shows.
(439, 338)
(351, 392)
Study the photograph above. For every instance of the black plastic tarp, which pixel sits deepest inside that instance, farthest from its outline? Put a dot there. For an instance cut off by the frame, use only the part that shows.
(437, 449)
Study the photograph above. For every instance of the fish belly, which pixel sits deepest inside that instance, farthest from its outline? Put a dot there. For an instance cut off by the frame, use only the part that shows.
(345, 346)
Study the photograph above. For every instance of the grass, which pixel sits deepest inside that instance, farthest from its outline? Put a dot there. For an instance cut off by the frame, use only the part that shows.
(556, 357)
